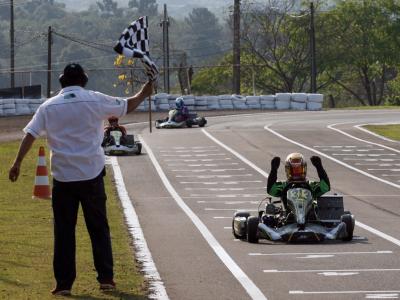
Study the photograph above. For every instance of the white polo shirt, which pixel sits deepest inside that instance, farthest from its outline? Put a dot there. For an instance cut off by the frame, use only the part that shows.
(73, 123)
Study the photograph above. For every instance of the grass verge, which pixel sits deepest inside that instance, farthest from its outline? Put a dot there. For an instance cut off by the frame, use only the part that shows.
(26, 239)
(390, 131)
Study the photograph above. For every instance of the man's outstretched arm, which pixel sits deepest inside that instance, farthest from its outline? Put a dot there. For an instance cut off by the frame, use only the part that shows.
(135, 100)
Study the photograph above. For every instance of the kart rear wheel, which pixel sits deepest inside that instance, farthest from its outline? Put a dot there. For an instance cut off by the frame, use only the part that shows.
(348, 219)
(202, 122)
(252, 229)
(239, 214)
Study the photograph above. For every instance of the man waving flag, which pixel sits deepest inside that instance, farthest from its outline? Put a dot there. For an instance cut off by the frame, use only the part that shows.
(134, 42)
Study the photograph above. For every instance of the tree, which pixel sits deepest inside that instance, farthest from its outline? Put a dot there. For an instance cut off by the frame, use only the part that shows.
(203, 34)
(144, 7)
(361, 53)
(276, 43)
(109, 8)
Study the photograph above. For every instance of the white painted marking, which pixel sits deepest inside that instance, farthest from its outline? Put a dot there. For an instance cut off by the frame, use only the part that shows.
(382, 296)
(214, 176)
(228, 209)
(226, 195)
(312, 256)
(228, 227)
(195, 147)
(191, 155)
(202, 165)
(207, 170)
(230, 202)
(222, 217)
(366, 227)
(377, 164)
(142, 252)
(225, 189)
(253, 291)
(219, 182)
(362, 155)
(203, 159)
(321, 253)
(241, 157)
(392, 170)
(338, 271)
(338, 292)
(372, 159)
(185, 151)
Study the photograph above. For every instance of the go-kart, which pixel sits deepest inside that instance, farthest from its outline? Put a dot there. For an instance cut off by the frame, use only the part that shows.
(305, 220)
(116, 144)
(192, 120)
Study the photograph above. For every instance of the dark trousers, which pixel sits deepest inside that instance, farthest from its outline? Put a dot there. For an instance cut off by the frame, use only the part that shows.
(65, 200)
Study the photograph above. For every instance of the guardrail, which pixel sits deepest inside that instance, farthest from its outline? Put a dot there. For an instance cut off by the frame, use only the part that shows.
(165, 102)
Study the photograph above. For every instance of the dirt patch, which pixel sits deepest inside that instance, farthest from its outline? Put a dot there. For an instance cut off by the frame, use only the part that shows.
(11, 127)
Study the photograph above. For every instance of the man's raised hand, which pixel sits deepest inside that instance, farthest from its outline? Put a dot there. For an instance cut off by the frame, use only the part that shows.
(275, 162)
(316, 161)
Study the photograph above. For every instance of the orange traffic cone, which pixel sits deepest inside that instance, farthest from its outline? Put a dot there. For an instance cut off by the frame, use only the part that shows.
(41, 189)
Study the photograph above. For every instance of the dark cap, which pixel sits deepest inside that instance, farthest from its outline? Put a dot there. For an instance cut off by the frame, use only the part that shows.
(73, 70)
(73, 74)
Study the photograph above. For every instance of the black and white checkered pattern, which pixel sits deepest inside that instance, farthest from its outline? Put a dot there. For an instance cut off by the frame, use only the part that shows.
(134, 42)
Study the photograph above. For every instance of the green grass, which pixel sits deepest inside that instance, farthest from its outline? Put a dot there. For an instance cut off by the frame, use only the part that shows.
(26, 239)
(389, 131)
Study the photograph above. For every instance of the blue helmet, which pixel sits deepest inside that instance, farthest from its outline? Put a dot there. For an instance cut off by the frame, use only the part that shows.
(179, 102)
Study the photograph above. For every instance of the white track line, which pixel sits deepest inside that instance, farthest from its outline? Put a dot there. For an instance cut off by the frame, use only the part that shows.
(253, 291)
(142, 254)
(338, 270)
(321, 253)
(343, 292)
(242, 158)
(364, 226)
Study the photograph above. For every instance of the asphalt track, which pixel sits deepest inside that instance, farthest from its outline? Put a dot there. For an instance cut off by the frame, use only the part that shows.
(187, 184)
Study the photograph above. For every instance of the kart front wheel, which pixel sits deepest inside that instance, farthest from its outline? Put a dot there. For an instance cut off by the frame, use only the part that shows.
(252, 229)
(239, 214)
(348, 219)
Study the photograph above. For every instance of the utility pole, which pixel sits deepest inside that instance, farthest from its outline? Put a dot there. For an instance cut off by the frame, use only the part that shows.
(49, 42)
(165, 24)
(313, 64)
(12, 41)
(236, 47)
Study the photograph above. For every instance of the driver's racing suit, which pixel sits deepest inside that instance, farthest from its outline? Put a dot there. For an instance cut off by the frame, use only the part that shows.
(179, 115)
(279, 188)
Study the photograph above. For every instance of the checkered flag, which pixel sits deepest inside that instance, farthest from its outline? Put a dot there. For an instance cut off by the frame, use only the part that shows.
(134, 42)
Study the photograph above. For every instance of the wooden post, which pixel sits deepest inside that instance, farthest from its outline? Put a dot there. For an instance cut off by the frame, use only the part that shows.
(150, 122)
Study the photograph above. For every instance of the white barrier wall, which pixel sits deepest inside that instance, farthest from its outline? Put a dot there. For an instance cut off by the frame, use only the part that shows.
(165, 102)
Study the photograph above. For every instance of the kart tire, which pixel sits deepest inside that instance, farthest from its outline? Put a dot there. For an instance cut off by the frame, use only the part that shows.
(189, 123)
(139, 149)
(252, 229)
(239, 214)
(348, 219)
(202, 122)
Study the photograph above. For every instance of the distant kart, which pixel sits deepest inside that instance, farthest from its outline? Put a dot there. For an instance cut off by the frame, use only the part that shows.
(305, 221)
(115, 144)
(193, 120)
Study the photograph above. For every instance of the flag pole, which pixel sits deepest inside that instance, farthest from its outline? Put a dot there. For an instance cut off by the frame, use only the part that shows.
(150, 123)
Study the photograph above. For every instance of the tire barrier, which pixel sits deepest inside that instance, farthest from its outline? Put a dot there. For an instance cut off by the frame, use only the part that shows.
(165, 102)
